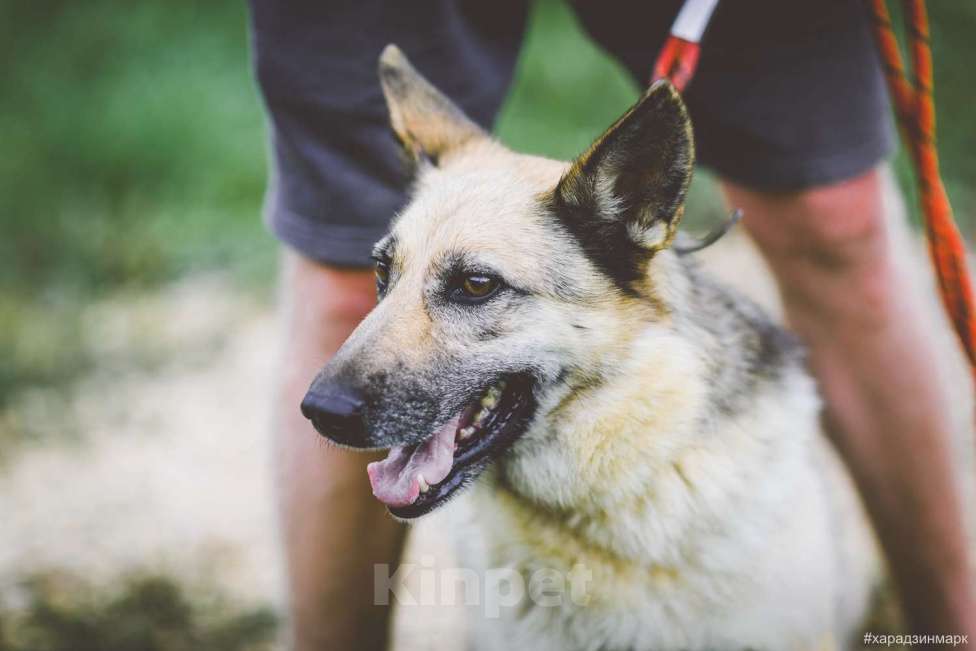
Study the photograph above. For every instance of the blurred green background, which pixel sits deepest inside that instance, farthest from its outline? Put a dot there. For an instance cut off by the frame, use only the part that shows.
(134, 150)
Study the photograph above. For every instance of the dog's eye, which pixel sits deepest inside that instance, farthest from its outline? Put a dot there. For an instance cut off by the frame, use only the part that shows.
(478, 287)
(382, 271)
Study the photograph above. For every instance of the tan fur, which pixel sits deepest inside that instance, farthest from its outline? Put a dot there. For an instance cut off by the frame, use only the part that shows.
(649, 517)
(703, 528)
(630, 488)
(423, 122)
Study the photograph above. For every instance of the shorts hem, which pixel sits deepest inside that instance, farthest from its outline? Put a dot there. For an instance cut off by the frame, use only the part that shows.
(337, 245)
(785, 174)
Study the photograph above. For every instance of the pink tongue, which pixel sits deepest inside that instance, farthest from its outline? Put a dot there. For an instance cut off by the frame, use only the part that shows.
(394, 479)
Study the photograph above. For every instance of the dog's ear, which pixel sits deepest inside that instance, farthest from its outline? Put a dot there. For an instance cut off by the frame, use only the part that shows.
(624, 196)
(427, 124)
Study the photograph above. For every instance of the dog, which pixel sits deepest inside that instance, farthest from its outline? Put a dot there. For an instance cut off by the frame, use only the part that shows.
(542, 351)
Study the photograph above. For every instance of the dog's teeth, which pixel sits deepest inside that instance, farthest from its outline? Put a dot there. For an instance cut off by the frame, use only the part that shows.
(488, 402)
(491, 397)
(466, 432)
(424, 487)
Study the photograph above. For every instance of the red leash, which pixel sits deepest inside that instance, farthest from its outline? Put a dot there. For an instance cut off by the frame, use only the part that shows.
(915, 109)
(679, 56)
(916, 118)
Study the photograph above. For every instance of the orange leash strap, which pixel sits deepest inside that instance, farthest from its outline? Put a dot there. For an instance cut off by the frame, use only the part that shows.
(915, 109)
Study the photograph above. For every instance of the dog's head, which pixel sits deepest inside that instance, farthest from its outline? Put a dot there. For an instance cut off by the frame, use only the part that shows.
(506, 286)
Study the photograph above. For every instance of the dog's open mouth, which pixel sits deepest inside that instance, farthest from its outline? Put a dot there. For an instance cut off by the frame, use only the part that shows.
(414, 480)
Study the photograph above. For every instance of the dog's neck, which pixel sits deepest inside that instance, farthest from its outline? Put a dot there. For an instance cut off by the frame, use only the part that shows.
(676, 440)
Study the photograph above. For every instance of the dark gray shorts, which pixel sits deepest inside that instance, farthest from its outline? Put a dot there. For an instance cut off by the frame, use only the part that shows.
(787, 95)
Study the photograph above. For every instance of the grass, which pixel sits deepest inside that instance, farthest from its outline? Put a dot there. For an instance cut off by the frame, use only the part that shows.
(144, 612)
(134, 151)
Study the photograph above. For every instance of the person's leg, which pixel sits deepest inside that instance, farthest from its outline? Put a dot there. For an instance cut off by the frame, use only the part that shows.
(333, 531)
(848, 298)
(337, 181)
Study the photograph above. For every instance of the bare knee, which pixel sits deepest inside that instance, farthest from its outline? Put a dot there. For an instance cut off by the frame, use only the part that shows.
(832, 227)
(320, 307)
(326, 295)
(828, 248)
(833, 239)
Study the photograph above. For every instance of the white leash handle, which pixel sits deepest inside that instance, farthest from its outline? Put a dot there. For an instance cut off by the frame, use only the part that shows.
(692, 19)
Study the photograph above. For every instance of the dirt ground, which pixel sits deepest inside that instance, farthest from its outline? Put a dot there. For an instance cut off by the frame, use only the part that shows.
(159, 461)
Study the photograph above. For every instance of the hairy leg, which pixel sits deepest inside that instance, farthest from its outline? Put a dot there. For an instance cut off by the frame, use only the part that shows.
(333, 530)
(844, 293)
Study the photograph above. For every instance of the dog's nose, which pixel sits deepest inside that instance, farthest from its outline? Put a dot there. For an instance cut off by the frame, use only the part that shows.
(336, 411)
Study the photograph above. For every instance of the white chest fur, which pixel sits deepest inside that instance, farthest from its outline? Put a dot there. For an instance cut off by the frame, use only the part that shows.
(746, 537)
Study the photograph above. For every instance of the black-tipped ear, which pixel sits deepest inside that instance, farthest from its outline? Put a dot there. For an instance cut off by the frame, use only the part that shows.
(427, 124)
(624, 196)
